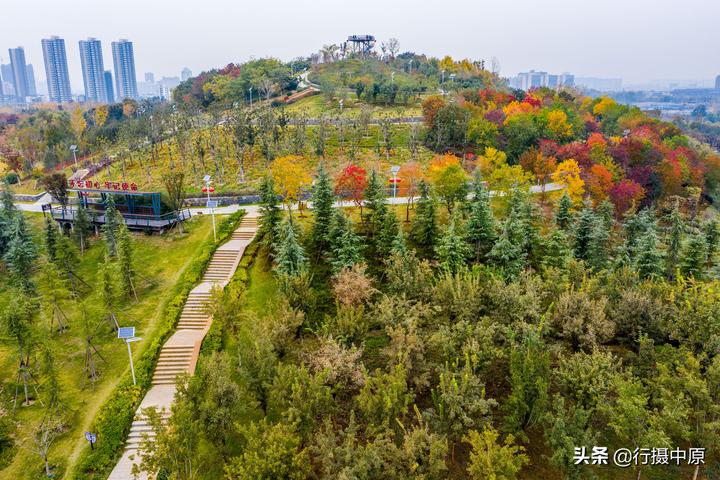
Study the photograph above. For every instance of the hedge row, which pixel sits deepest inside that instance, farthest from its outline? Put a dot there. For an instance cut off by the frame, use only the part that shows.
(114, 419)
(213, 341)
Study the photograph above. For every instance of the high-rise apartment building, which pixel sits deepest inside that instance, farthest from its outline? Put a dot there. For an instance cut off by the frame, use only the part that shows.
(185, 74)
(124, 63)
(31, 85)
(149, 77)
(7, 75)
(19, 72)
(109, 93)
(717, 82)
(56, 69)
(91, 60)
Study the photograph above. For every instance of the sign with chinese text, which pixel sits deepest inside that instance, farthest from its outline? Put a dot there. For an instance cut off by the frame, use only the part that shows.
(98, 185)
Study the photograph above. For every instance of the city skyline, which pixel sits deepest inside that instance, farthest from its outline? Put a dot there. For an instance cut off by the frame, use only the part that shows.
(549, 36)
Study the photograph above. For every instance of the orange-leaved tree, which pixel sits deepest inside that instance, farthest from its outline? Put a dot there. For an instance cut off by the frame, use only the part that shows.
(410, 176)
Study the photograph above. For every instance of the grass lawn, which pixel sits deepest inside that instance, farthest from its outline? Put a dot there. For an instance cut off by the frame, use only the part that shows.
(318, 105)
(161, 260)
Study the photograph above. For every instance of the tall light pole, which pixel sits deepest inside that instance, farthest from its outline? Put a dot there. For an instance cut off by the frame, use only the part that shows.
(73, 148)
(250, 90)
(128, 334)
(210, 205)
(394, 170)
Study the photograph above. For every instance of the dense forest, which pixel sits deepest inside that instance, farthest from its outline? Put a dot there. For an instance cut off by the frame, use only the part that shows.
(546, 280)
(489, 345)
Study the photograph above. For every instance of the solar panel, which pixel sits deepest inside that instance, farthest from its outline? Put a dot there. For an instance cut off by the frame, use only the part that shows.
(126, 332)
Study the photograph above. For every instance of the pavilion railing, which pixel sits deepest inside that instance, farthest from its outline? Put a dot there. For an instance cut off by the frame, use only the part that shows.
(131, 219)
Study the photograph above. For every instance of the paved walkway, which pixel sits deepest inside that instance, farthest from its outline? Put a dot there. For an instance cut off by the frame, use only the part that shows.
(180, 352)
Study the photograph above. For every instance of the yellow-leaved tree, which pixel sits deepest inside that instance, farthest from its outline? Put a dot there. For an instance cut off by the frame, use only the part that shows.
(568, 174)
(77, 123)
(501, 176)
(291, 178)
(101, 114)
(558, 125)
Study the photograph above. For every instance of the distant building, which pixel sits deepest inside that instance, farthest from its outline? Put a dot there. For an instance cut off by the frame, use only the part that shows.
(2, 91)
(717, 82)
(149, 77)
(19, 73)
(600, 84)
(31, 85)
(124, 63)
(185, 74)
(56, 69)
(93, 69)
(532, 79)
(109, 92)
(7, 75)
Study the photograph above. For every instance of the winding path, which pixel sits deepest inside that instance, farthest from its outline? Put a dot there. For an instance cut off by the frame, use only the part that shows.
(180, 352)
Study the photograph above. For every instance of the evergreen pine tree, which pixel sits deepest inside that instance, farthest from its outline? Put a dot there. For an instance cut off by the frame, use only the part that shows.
(597, 253)
(126, 260)
(583, 233)
(506, 253)
(290, 256)
(380, 229)
(21, 254)
(480, 229)
(388, 232)
(452, 250)
(675, 238)
(51, 238)
(113, 221)
(649, 257)
(107, 292)
(563, 215)
(694, 256)
(270, 213)
(424, 224)
(529, 236)
(606, 211)
(399, 245)
(557, 249)
(82, 229)
(621, 257)
(67, 259)
(346, 250)
(53, 290)
(712, 237)
(323, 199)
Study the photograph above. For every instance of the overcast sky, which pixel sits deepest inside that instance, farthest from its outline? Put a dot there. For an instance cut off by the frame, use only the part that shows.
(636, 40)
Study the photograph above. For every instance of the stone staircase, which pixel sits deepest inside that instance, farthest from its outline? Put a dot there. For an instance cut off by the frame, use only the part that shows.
(195, 315)
(179, 354)
(221, 266)
(173, 360)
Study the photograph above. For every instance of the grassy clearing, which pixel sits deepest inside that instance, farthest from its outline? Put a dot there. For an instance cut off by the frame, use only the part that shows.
(319, 105)
(81, 397)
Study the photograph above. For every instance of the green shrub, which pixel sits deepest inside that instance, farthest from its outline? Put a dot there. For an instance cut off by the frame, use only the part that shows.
(12, 178)
(114, 418)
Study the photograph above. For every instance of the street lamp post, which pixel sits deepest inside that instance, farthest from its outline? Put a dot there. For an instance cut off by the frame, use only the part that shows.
(394, 169)
(210, 204)
(128, 334)
(250, 90)
(73, 148)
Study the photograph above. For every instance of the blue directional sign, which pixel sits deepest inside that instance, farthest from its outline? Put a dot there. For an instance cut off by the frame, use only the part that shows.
(90, 437)
(212, 204)
(126, 332)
